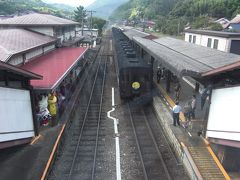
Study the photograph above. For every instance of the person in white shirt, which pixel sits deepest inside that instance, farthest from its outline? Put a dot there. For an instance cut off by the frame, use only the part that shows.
(176, 110)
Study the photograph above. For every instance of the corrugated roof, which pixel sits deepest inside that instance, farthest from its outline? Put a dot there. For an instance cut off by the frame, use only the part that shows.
(214, 33)
(14, 41)
(54, 66)
(130, 33)
(19, 71)
(222, 69)
(36, 19)
(184, 58)
(236, 19)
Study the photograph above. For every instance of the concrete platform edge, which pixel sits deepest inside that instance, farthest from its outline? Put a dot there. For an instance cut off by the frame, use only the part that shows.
(181, 151)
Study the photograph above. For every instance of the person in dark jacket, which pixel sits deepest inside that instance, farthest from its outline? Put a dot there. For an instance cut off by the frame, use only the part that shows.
(177, 90)
(159, 75)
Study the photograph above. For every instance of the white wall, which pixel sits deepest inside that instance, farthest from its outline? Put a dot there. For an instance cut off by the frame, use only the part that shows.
(224, 118)
(49, 48)
(33, 54)
(67, 35)
(44, 30)
(72, 33)
(15, 114)
(223, 43)
(16, 60)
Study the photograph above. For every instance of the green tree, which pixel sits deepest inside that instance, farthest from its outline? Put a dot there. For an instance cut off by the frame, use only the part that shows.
(201, 22)
(215, 27)
(98, 23)
(80, 15)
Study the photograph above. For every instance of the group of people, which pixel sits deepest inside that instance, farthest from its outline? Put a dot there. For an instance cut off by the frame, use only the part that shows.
(48, 107)
(189, 111)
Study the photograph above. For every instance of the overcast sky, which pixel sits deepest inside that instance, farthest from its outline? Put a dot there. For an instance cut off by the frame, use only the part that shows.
(74, 3)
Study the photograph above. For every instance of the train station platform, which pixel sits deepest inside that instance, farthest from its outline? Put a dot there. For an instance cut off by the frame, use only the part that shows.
(194, 151)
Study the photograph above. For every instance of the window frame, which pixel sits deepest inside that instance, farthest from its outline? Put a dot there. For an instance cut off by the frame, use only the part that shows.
(209, 42)
(215, 43)
(190, 38)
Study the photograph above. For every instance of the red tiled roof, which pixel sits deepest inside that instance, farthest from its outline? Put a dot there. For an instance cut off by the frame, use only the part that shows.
(14, 41)
(36, 19)
(54, 66)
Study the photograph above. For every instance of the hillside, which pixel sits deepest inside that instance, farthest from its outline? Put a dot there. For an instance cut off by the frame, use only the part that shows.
(151, 9)
(172, 15)
(10, 7)
(104, 8)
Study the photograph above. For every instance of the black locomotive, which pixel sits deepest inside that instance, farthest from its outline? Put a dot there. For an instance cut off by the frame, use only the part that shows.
(134, 74)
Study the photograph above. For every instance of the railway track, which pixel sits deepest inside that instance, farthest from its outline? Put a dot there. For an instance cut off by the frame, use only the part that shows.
(78, 153)
(87, 148)
(151, 159)
(87, 140)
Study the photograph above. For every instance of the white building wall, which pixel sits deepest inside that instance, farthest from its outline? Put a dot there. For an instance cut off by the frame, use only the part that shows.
(198, 39)
(67, 35)
(72, 33)
(44, 30)
(17, 121)
(33, 54)
(223, 43)
(49, 48)
(16, 60)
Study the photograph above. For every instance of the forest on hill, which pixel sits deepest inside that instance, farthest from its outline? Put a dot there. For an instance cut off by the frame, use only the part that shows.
(172, 15)
(104, 8)
(13, 7)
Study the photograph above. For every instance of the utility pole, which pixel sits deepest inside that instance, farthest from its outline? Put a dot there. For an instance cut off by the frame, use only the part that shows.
(91, 21)
(82, 22)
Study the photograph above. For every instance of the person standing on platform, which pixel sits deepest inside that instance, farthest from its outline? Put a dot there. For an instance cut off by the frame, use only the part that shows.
(176, 110)
(163, 73)
(52, 105)
(193, 106)
(206, 95)
(187, 111)
(177, 90)
(159, 75)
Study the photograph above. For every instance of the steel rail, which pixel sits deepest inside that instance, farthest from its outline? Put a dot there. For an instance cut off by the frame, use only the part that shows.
(138, 146)
(85, 117)
(99, 119)
(156, 146)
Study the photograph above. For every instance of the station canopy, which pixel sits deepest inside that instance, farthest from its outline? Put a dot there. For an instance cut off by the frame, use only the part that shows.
(130, 33)
(54, 66)
(184, 58)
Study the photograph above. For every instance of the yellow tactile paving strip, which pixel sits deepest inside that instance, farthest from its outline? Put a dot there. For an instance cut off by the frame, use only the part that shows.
(170, 101)
(182, 118)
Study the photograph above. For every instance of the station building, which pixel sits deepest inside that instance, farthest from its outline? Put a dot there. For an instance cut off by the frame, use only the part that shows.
(32, 43)
(204, 70)
(220, 40)
(17, 117)
(63, 30)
